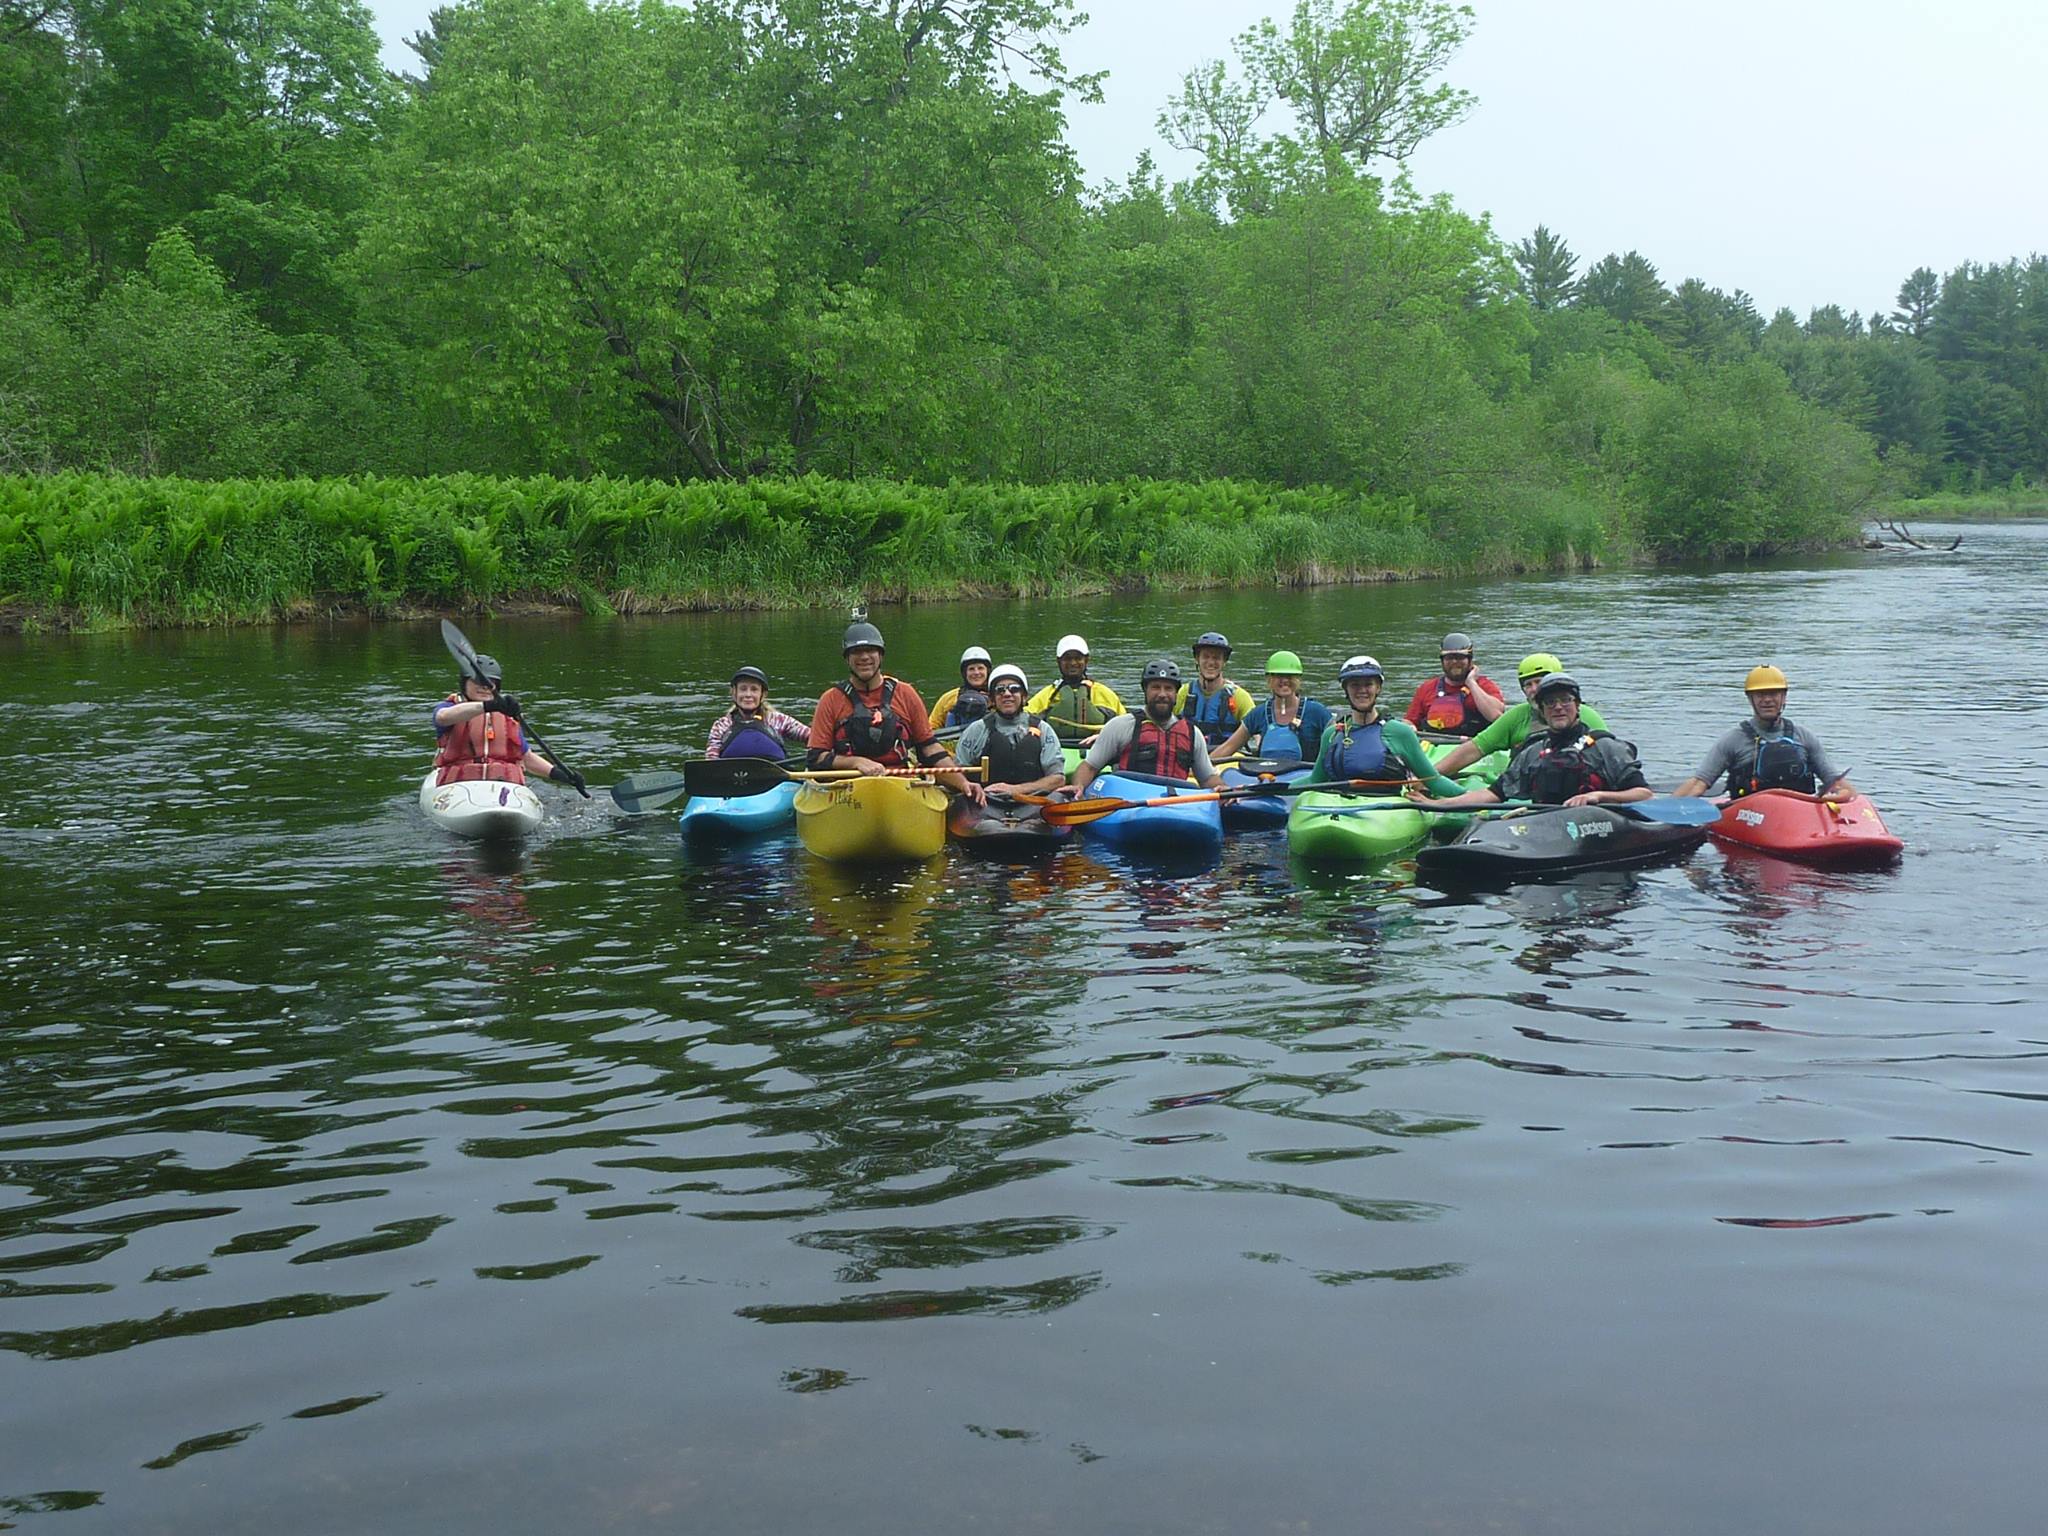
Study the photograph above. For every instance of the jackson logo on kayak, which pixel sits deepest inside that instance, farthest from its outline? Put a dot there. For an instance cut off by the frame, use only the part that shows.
(1589, 829)
(1753, 818)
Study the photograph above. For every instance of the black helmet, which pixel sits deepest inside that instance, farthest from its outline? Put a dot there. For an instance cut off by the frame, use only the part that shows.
(1161, 671)
(1208, 638)
(1558, 682)
(859, 635)
(488, 670)
(750, 674)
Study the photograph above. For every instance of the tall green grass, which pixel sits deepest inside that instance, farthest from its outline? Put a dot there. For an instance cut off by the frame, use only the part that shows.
(105, 549)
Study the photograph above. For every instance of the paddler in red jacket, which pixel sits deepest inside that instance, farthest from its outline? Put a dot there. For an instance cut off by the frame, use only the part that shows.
(479, 735)
(1459, 702)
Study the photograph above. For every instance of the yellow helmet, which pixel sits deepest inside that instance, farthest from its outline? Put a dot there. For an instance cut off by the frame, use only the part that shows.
(1761, 679)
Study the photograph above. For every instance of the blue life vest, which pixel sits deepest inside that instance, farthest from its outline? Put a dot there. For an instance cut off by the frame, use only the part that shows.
(1213, 714)
(1353, 751)
(1299, 740)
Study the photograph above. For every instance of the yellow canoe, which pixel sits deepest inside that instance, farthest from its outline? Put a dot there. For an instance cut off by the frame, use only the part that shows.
(866, 820)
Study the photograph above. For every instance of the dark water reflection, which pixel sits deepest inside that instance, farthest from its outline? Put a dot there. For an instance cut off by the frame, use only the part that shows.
(351, 1179)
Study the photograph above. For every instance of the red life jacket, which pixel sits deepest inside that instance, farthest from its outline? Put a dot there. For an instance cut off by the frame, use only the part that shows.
(1450, 711)
(481, 747)
(1167, 751)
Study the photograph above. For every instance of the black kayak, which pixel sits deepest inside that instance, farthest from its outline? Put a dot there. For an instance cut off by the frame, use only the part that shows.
(1555, 840)
(1003, 828)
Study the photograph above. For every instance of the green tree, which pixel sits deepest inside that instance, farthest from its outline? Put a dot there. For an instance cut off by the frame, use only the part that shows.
(1628, 288)
(1547, 265)
(1918, 295)
(179, 378)
(1360, 80)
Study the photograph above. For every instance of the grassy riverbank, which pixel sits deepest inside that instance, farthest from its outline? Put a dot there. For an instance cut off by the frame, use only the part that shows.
(1973, 507)
(80, 550)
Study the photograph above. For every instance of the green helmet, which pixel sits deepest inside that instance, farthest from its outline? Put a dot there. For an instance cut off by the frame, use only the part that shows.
(1540, 664)
(1284, 664)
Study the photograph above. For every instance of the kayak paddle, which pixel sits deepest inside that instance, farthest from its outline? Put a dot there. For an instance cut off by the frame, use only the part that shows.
(465, 656)
(648, 792)
(1078, 813)
(731, 777)
(1666, 810)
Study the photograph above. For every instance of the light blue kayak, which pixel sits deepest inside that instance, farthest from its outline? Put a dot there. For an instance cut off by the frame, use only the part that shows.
(1188, 828)
(728, 816)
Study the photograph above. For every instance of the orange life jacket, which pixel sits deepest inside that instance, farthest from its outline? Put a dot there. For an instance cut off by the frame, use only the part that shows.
(481, 747)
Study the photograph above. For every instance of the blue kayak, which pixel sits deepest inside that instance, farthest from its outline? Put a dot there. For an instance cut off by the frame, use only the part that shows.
(1257, 811)
(1159, 828)
(710, 816)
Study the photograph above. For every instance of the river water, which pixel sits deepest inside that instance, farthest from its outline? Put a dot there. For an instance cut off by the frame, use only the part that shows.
(354, 1180)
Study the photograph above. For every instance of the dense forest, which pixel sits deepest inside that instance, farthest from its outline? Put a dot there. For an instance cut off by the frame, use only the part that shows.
(758, 239)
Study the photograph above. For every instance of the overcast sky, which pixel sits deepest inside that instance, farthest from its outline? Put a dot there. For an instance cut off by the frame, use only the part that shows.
(1810, 151)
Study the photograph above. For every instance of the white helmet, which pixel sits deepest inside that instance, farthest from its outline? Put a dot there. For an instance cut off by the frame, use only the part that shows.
(1006, 672)
(975, 653)
(1070, 643)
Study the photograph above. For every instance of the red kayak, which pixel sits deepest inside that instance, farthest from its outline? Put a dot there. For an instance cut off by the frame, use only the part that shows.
(1796, 826)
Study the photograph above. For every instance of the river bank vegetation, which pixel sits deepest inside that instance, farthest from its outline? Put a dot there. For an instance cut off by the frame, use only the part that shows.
(653, 305)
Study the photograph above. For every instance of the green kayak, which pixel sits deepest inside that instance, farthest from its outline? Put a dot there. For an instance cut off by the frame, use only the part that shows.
(1333, 828)
(1477, 776)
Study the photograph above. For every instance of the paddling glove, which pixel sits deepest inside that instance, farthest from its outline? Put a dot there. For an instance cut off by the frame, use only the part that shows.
(567, 776)
(505, 704)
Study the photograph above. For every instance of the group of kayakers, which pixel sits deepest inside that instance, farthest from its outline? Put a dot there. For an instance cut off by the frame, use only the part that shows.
(1010, 739)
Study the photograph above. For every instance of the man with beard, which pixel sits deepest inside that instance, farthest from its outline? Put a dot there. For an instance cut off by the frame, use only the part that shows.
(1158, 742)
(1458, 701)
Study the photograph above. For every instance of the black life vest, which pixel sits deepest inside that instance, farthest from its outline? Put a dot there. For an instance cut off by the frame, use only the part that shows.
(1779, 762)
(1015, 756)
(968, 707)
(1566, 768)
(1167, 751)
(871, 730)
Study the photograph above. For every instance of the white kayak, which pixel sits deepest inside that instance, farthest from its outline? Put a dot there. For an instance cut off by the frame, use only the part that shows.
(481, 808)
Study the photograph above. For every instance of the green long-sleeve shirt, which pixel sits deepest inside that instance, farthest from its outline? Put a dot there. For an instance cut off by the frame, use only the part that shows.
(1517, 723)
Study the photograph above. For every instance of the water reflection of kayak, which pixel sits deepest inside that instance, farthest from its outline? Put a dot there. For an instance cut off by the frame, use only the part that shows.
(481, 808)
(1809, 827)
(1554, 840)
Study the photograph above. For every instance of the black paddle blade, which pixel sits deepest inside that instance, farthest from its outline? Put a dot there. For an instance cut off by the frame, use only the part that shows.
(729, 777)
(460, 648)
(648, 792)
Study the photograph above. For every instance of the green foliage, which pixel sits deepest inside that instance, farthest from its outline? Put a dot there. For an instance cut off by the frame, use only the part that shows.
(828, 264)
(127, 549)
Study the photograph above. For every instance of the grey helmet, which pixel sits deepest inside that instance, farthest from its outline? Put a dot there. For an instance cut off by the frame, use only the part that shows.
(1163, 670)
(859, 635)
(488, 670)
(1558, 682)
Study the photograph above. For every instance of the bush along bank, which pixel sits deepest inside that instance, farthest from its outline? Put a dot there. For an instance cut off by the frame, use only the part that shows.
(105, 550)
